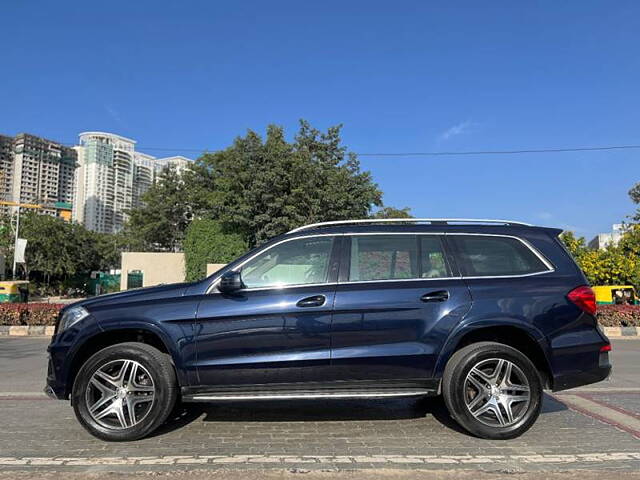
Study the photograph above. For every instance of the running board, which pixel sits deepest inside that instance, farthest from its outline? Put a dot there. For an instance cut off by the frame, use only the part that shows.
(301, 395)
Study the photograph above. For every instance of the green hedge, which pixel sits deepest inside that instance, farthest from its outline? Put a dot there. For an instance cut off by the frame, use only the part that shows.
(206, 242)
(29, 313)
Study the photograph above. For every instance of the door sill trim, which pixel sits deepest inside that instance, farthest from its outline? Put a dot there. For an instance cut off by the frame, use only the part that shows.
(304, 395)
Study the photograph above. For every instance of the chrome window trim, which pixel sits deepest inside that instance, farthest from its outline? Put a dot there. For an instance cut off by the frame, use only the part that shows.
(549, 265)
(400, 280)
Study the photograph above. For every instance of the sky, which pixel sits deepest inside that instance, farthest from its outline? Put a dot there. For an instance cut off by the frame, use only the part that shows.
(401, 76)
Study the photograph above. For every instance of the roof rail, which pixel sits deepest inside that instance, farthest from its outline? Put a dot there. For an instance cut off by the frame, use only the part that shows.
(445, 221)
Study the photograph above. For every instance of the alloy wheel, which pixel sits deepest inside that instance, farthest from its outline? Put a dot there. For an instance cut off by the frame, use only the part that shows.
(497, 392)
(120, 394)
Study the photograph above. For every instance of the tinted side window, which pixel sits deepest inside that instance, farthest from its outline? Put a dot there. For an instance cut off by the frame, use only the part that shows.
(296, 262)
(383, 257)
(396, 257)
(483, 256)
(433, 262)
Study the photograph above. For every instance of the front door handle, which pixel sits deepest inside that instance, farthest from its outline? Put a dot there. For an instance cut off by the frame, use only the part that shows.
(315, 301)
(439, 296)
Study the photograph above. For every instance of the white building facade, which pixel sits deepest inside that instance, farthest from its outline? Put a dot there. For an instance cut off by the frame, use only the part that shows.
(178, 162)
(112, 178)
(104, 181)
(604, 240)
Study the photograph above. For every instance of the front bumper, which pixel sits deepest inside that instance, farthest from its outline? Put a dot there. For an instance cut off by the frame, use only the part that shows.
(54, 388)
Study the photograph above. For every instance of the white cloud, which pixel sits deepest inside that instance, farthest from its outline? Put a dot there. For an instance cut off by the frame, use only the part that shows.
(113, 113)
(459, 129)
(544, 215)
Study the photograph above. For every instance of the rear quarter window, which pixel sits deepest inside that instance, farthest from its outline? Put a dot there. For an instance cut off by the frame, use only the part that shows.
(489, 256)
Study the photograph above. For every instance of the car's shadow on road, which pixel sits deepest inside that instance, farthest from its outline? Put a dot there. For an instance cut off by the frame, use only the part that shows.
(322, 411)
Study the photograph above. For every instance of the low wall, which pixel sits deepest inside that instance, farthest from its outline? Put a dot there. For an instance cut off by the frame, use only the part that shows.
(214, 267)
(156, 268)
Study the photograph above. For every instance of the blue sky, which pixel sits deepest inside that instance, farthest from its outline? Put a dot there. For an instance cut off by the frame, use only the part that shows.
(401, 76)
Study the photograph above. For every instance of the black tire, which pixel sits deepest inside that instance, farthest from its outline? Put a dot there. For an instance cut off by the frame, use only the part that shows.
(456, 393)
(163, 383)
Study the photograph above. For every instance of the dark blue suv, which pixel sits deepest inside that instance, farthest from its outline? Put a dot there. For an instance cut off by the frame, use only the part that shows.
(487, 313)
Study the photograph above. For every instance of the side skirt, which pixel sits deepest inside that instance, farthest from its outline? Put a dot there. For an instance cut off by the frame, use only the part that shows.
(311, 390)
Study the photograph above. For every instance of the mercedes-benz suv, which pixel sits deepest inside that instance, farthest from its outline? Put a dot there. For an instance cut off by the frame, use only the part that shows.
(486, 313)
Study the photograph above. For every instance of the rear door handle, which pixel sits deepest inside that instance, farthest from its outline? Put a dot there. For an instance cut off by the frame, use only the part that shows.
(315, 301)
(438, 296)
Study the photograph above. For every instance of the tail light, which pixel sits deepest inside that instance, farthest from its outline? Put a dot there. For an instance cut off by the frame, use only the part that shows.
(584, 298)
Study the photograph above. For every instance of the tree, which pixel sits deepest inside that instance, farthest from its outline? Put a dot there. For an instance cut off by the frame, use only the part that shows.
(613, 265)
(206, 242)
(261, 189)
(392, 212)
(609, 267)
(159, 225)
(576, 245)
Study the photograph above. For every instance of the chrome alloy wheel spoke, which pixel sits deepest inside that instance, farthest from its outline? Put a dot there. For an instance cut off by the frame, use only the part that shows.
(120, 394)
(497, 392)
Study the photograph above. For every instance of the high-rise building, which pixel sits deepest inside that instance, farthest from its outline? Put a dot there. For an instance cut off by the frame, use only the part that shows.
(37, 171)
(143, 176)
(112, 178)
(104, 181)
(178, 162)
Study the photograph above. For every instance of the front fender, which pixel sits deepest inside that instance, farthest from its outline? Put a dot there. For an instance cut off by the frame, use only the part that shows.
(176, 337)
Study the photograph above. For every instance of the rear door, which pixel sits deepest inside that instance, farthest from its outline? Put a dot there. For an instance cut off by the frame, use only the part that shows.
(398, 297)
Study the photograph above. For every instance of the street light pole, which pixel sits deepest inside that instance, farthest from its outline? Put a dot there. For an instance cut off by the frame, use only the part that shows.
(15, 242)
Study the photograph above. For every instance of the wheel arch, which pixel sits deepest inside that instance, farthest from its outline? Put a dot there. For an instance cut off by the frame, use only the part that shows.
(522, 337)
(147, 334)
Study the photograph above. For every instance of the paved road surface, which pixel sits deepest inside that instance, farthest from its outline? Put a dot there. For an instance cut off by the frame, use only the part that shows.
(597, 427)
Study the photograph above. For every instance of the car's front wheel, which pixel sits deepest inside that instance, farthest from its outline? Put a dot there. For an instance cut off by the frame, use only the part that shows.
(124, 391)
(492, 390)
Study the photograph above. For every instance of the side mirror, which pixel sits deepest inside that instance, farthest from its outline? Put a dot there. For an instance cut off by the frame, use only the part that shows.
(230, 282)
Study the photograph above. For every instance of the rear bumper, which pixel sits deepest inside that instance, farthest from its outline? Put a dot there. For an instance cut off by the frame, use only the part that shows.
(582, 378)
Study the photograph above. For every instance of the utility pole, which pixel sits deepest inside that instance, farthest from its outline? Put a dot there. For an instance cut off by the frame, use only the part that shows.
(15, 242)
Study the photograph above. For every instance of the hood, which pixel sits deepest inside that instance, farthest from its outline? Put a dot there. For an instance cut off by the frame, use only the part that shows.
(135, 295)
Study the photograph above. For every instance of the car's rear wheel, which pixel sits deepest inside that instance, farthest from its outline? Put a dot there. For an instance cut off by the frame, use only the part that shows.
(124, 391)
(492, 390)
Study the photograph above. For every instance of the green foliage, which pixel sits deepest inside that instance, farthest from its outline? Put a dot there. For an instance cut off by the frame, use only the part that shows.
(392, 212)
(57, 251)
(611, 266)
(259, 189)
(265, 188)
(159, 225)
(206, 242)
(576, 246)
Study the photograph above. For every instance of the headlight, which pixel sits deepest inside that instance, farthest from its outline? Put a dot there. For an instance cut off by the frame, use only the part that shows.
(71, 317)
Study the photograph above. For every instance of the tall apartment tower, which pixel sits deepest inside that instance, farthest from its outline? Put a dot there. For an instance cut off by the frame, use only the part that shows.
(104, 181)
(111, 180)
(37, 171)
(6, 171)
(143, 176)
(178, 162)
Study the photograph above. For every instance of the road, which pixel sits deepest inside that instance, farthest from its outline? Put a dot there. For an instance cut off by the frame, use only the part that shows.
(594, 428)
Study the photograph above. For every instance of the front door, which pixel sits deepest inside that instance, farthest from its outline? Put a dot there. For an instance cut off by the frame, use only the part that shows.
(396, 302)
(277, 328)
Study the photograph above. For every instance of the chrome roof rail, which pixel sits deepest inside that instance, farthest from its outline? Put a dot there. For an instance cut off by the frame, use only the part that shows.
(446, 221)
